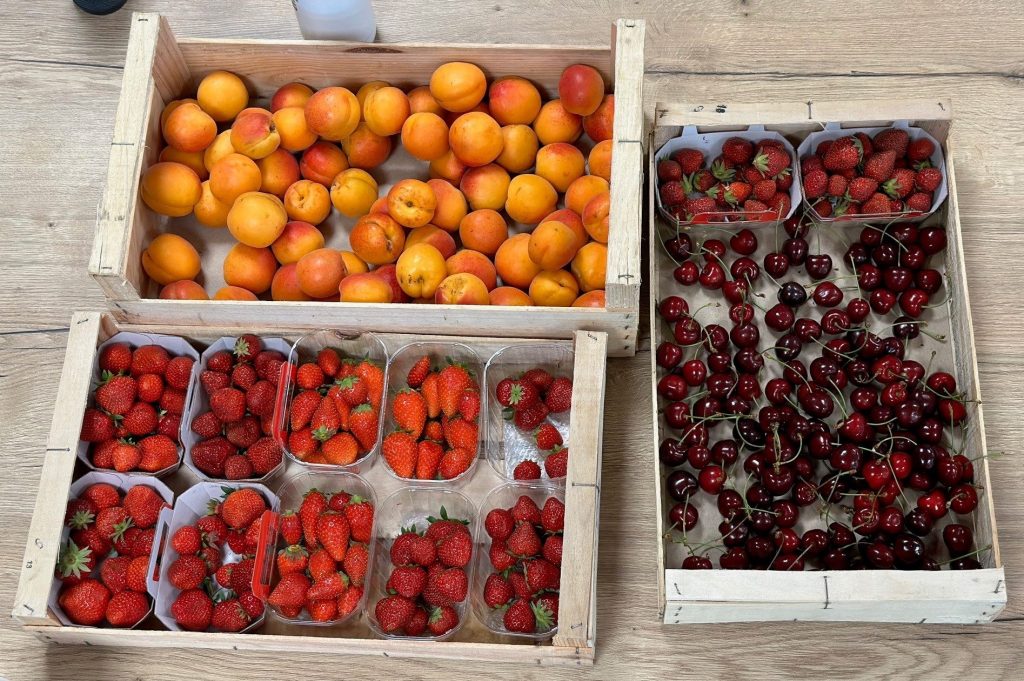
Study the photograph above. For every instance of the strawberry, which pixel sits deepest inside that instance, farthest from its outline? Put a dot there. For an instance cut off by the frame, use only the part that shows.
(431, 394)
(329, 586)
(497, 591)
(434, 430)
(547, 437)
(738, 150)
(363, 424)
(843, 154)
(149, 359)
(116, 358)
(927, 180)
(117, 394)
(326, 420)
(353, 390)
(228, 404)
(169, 425)
(541, 575)
(419, 372)
(244, 432)
(393, 613)
(455, 462)
(836, 185)
(861, 188)
(552, 515)
(214, 530)
(329, 362)
(815, 184)
(523, 541)
(409, 410)
(142, 544)
(221, 361)
(158, 452)
(442, 620)
(756, 210)
(461, 434)
(313, 504)
(244, 376)
(323, 611)
(920, 150)
(309, 376)
(500, 559)
(223, 575)
(524, 395)
(241, 507)
(212, 381)
(446, 586)
(126, 609)
(559, 397)
(349, 600)
(303, 445)
(469, 405)
(763, 190)
(303, 407)
(670, 171)
(94, 540)
(880, 165)
(97, 426)
(187, 540)
(400, 451)
(290, 591)
(125, 456)
(359, 513)
(206, 425)
(209, 455)
(173, 400)
(452, 381)
(540, 378)
(499, 524)
(545, 609)
(102, 495)
(428, 458)
(125, 538)
(919, 202)
(342, 449)
(290, 528)
(252, 605)
(237, 467)
(557, 465)
(688, 160)
(192, 610)
(135, 577)
(771, 161)
(356, 563)
(456, 550)
(517, 580)
(417, 624)
(85, 602)
(187, 572)
(552, 550)
(703, 180)
(530, 418)
(503, 391)
(80, 513)
(332, 532)
(247, 347)
(878, 204)
(74, 563)
(143, 504)
(810, 164)
(901, 184)
(672, 194)
(149, 388)
(407, 581)
(179, 372)
(894, 139)
(321, 563)
(372, 377)
(525, 510)
(526, 470)
(520, 617)
(702, 205)
(260, 398)
(229, 616)
(402, 548)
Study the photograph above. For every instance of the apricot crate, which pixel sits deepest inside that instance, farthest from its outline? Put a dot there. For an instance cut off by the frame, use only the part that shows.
(915, 595)
(160, 68)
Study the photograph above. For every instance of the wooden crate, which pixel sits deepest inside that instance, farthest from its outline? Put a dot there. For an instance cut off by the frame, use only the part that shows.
(160, 67)
(573, 644)
(697, 596)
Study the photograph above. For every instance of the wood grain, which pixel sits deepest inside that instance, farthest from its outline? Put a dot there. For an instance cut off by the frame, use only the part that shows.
(60, 72)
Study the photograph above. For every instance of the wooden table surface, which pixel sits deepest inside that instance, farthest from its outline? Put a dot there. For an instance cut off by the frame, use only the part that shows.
(60, 75)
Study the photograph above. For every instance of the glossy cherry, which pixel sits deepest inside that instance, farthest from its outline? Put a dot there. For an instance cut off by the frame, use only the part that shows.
(672, 308)
(686, 273)
(818, 266)
(743, 242)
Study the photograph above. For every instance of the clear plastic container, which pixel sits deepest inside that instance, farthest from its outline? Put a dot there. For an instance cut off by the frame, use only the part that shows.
(291, 494)
(398, 371)
(504, 496)
(190, 506)
(175, 346)
(336, 19)
(406, 508)
(199, 402)
(123, 483)
(507, 446)
(359, 346)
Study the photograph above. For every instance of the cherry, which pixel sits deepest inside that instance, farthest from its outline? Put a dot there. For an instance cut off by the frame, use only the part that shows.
(887, 369)
(677, 415)
(748, 387)
(786, 513)
(671, 453)
(698, 456)
(827, 294)
(776, 264)
(725, 452)
(697, 563)
(761, 522)
(832, 488)
(734, 559)
(835, 322)
(681, 484)
(807, 330)
(836, 560)
(963, 498)
(929, 563)
(786, 540)
(758, 497)
(712, 275)
(694, 372)
(734, 404)
(863, 399)
(741, 313)
(846, 457)
(908, 549)
(952, 411)
(855, 428)
(933, 503)
(792, 294)
(745, 269)
(749, 360)
(680, 247)
(930, 430)
(858, 310)
(719, 362)
(714, 250)
(865, 520)
(814, 542)
(743, 242)
(856, 255)
(890, 520)
(745, 335)
(932, 240)
(901, 464)
(893, 394)
(733, 533)
(711, 479)
(818, 266)
(795, 372)
(788, 347)
(716, 338)
(707, 407)
(673, 308)
(687, 273)
(777, 390)
(672, 387)
(905, 328)
(796, 226)
(912, 301)
(958, 538)
(914, 257)
(779, 317)
(964, 564)
(795, 250)
(827, 373)
(869, 277)
(720, 385)
(669, 355)
(905, 233)
(840, 536)
(895, 347)
(870, 236)
(777, 479)
(884, 255)
(858, 372)
(686, 331)
(918, 521)
(735, 291)
(729, 503)
(966, 466)
(683, 516)
(787, 562)
(897, 279)
(929, 281)
(760, 548)
(880, 555)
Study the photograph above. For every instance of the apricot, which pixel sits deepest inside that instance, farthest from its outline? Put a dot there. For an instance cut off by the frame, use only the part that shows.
(595, 217)
(289, 95)
(233, 176)
(552, 246)
(333, 113)
(322, 162)
(220, 148)
(483, 230)
(186, 289)
(590, 299)
(451, 116)
(560, 164)
(254, 133)
(223, 95)
(433, 235)
(236, 293)
(458, 86)
(389, 274)
(514, 100)
(368, 89)
(519, 149)
(476, 138)
(582, 190)
(297, 239)
(555, 124)
(257, 219)
(365, 288)
(530, 198)
(377, 238)
(600, 124)
(379, 206)
(421, 101)
(451, 205)
(353, 192)
(513, 263)
(486, 186)
(385, 111)
(556, 288)
(307, 201)
(170, 258)
(412, 203)
(448, 168)
(581, 89)
(278, 171)
(420, 269)
(171, 188)
(353, 263)
(285, 285)
(189, 128)
(192, 159)
(600, 160)
(571, 220)
(319, 272)
(211, 211)
(425, 136)
(589, 266)
(475, 263)
(366, 149)
(462, 289)
(291, 126)
(169, 109)
(510, 296)
(250, 268)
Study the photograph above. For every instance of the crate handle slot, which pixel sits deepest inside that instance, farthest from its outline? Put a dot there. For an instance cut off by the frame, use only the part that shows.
(265, 555)
(163, 522)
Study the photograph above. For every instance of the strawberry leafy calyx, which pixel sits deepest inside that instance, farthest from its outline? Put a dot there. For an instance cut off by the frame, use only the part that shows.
(81, 519)
(545, 618)
(323, 434)
(74, 560)
(444, 516)
(722, 172)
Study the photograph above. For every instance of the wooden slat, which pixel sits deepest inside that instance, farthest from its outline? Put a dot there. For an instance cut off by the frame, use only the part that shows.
(577, 605)
(43, 542)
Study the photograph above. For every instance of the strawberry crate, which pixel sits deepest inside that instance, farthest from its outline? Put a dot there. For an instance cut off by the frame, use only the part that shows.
(822, 594)
(573, 644)
(161, 67)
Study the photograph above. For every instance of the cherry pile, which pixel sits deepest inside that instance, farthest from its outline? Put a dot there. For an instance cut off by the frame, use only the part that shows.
(805, 430)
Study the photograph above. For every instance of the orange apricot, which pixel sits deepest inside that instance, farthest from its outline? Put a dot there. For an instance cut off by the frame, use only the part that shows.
(365, 288)
(377, 239)
(297, 239)
(285, 285)
(420, 269)
(220, 148)
(458, 86)
(353, 192)
(483, 230)
(170, 258)
(333, 113)
(552, 246)
(366, 149)
(192, 159)
(581, 89)
(475, 263)
(368, 89)
(235, 293)
(353, 263)
(462, 289)
(591, 299)
(322, 162)
(211, 211)
(248, 267)
(589, 266)
(319, 272)
(595, 217)
(254, 134)
(513, 263)
(278, 171)
(168, 110)
(189, 128)
(412, 203)
(379, 206)
(486, 186)
(223, 95)
(425, 136)
(530, 198)
(389, 274)
(600, 160)
(510, 296)
(291, 126)
(171, 188)
(560, 164)
(385, 111)
(289, 95)
(519, 149)
(257, 219)
(186, 289)
(448, 168)
(476, 138)
(307, 201)
(234, 175)
(514, 100)
(433, 235)
(556, 288)
(600, 124)
(451, 205)
(555, 124)
(582, 190)
(420, 100)
(571, 220)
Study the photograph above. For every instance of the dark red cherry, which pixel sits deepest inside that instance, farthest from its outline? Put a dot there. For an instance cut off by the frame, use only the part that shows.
(932, 240)
(712, 275)
(687, 273)
(814, 542)
(683, 516)
(914, 257)
(698, 456)
(905, 233)
(734, 559)
(835, 322)
(748, 360)
(680, 247)
(745, 336)
(777, 390)
(743, 242)
(786, 540)
(745, 269)
(863, 399)
(748, 387)
(929, 281)
(795, 250)
(847, 457)
(742, 313)
(779, 317)
(707, 407)
(880, 555)
(858, 310)
(963, 498)
(697, 563)
(933, 503)
(908, 549)
(725, 452)
(958, 538)
(677, 415)
(912, 301)
(673, 308)
(906, 328)
(952, 411)
(735, 291)
(871, 235)
(694, 372)
(787, 562)
(687, 331)
(681, 484)
(730, 503)
(964, 564)
(760, 548)
(827, 294)
(795, 226)
(672, 387)
(712, 479)
(897, 279)
(778, 479)
(713, 250)
(671, 453)
(807, 330)
(792, 294)
(761, 522)
(733, 533)
(786, 513)
(856, 255)
(669, 355)
(716, 338)
(758, 496)
(884, 254)
(776, 264)
(788, 347)
(890, 520)
(720, 385)
(818, 266)
(719, 362)
(882, 300)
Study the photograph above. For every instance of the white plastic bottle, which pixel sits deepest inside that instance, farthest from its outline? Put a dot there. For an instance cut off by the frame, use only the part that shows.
(336, 19)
